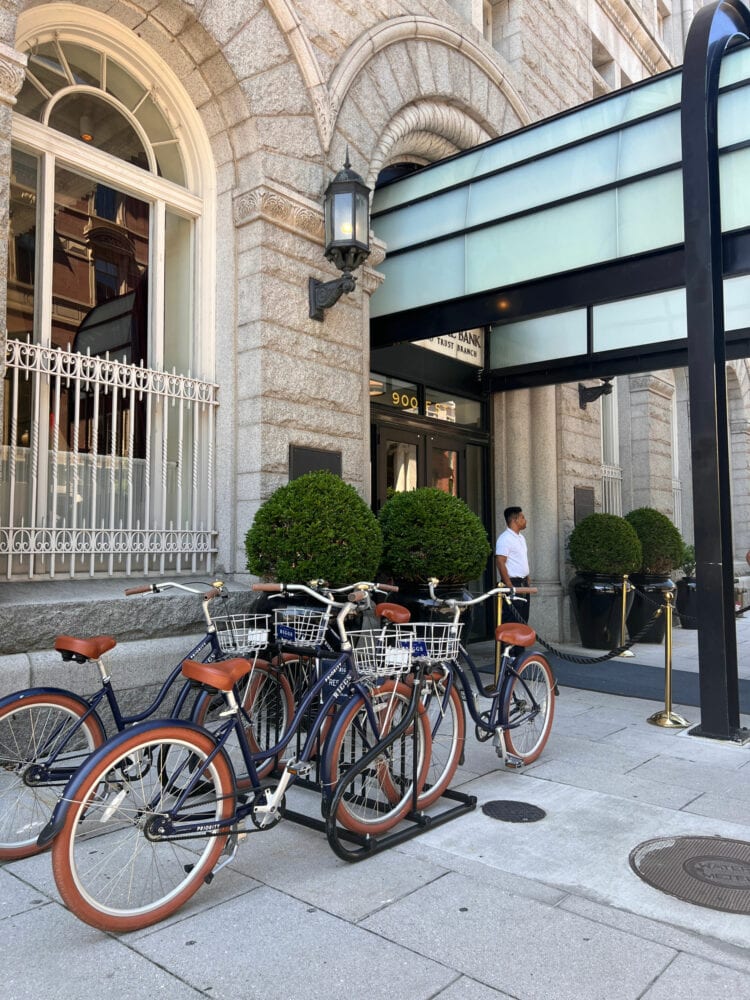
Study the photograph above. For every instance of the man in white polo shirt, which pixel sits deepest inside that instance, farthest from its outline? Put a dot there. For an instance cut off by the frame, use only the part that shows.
(512, 561)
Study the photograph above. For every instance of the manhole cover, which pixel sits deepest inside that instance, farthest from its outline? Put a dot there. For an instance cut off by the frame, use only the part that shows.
(707, 871)
(513, 812)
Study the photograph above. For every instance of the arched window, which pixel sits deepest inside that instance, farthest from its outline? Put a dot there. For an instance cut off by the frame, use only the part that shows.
(109, 197)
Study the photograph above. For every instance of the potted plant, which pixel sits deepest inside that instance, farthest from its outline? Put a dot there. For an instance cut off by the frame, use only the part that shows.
(662, 547)
(604, 548)
(686, 601)
(316, 527)
(429, 533)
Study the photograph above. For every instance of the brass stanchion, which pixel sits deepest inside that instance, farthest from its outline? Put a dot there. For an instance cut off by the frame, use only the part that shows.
(668, 718)
(625, 592)
(497, 644)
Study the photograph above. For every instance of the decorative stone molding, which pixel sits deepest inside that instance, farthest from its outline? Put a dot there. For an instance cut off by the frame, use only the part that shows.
(637, 35)
(12, 72)
(428, 131)
(289, 210)
(651, 383)
(413, 27)
(299, 44)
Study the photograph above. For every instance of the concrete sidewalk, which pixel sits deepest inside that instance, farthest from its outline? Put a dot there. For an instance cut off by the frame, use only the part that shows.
(474, 909)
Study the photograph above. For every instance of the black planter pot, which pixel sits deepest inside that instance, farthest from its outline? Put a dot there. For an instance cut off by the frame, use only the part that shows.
(653, 588)
(597, 606)
(686, 602)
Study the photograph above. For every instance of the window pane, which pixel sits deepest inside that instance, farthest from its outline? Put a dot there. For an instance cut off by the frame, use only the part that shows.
(99, 276)
(444, 470)
(540, 339)
(22, 245)
(453, 409)
(394, 392)
(648, 319)
(400, 466)
(178, 307)
(84, 63)
(109, 130)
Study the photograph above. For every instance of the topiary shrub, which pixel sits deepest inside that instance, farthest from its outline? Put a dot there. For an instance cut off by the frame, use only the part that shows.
(606, 544)
(316, 527)
(660, 540)
(429, 533)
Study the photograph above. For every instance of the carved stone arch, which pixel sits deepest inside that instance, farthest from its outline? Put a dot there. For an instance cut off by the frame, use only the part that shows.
(423, 133)
(400, 31)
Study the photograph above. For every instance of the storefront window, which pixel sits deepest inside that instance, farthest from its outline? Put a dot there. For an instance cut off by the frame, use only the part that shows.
(394, 392)
(453, 409)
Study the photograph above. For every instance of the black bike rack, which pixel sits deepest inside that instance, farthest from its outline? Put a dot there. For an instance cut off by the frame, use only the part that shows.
(413, 824)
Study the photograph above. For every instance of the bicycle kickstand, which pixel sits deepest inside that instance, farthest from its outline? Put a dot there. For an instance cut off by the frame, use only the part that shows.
(509, 759)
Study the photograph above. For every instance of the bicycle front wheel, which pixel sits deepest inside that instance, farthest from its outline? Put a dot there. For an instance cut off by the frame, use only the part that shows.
(529, 729)
(447, 722)
(376, 799)
(35, 731)
(114, 867)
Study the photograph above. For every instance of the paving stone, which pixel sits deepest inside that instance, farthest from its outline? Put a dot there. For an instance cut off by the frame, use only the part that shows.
(300, 862)
(470, 989)
(485, 933)
(280, 947)
(655, 930)
(693, 979)
(49, 953)
(18, 897)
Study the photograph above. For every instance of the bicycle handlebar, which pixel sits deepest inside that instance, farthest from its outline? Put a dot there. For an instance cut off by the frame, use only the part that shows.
(452, 602)
(156, 588)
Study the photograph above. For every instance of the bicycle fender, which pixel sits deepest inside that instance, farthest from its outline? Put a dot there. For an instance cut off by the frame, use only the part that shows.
(20, 696)
(70, 792)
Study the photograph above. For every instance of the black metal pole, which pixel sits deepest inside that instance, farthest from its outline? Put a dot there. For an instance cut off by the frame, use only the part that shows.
(713, 29)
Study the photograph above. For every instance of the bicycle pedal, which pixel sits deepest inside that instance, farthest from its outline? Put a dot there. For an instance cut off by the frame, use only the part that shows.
(513, 762)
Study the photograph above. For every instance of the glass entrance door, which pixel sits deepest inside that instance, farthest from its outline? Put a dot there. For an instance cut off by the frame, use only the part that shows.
(407, 460)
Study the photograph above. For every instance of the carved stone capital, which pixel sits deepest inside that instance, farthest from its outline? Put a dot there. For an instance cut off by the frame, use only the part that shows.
(284, 208)
(12, 72)
(651, 382)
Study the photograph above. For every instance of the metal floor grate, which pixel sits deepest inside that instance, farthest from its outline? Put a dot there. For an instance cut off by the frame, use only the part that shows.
(708, 871)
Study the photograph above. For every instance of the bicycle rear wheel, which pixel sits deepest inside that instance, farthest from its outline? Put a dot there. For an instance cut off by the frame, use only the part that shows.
(111, 866)
(268, 703)
(380, 796)
(32, 729)
(530, 731)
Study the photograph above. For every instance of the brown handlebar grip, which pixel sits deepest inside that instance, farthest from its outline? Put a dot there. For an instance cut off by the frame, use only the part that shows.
(268, 588)
(146, 588)
(210, 594)
(525, 590)
(389, 588)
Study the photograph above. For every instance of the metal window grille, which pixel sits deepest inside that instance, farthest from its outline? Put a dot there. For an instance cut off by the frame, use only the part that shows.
(612, 489)
(106, 468)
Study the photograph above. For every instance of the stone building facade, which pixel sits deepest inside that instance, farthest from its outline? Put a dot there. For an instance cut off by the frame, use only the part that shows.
(264, 98)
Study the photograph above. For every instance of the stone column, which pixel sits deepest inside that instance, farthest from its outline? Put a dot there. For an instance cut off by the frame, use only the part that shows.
(12, 69)
(527, 475)
(650, 445)
(544, 503)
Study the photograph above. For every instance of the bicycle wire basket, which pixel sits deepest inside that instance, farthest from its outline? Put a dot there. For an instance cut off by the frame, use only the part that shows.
(301, 626)
(242, 633)
(379, 654)
(433, 641)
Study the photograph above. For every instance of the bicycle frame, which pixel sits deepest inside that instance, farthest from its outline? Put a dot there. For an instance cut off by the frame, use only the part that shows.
(47, 773)
(201, 826)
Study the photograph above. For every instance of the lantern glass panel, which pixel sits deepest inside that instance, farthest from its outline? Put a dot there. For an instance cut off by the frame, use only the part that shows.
(343, 217)
(362, 233)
